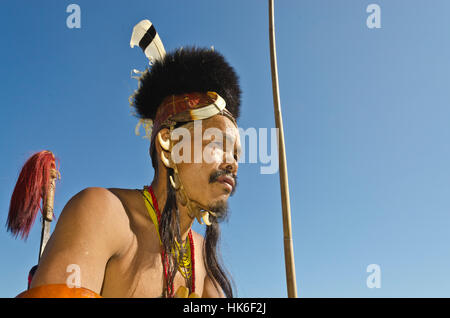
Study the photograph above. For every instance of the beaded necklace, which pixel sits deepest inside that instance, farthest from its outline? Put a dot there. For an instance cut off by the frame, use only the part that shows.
(186, 266)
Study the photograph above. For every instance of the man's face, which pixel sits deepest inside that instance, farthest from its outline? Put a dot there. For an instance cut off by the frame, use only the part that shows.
(210, 176)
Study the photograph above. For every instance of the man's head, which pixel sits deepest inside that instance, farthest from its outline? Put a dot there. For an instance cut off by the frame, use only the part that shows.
(206, 153)
(195, 84)
(187, 70)
(184, 88)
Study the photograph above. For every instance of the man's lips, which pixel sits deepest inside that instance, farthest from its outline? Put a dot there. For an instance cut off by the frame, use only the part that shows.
(227, 180)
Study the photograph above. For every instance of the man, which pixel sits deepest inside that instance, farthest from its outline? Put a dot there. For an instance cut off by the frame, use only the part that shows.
(139, 242)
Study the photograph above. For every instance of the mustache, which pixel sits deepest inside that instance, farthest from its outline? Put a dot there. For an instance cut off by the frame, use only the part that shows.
(217, 174)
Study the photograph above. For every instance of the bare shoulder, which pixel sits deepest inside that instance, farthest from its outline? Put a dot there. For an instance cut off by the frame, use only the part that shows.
(91, 229)
(95, 213)
(98, 196)
(99, 207)
(95, 197)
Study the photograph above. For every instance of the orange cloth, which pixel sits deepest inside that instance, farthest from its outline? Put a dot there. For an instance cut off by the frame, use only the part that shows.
(58, 291)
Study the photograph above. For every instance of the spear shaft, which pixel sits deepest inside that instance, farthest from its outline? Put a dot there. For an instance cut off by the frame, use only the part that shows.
(284, 185)
(47, 215)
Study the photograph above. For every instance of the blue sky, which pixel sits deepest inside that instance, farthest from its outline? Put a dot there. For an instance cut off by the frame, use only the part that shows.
(365, 115)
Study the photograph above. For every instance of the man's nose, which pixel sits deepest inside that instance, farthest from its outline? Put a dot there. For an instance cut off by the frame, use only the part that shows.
(231, 166)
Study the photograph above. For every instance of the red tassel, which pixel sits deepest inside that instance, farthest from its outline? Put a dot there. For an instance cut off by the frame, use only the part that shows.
(30, 193)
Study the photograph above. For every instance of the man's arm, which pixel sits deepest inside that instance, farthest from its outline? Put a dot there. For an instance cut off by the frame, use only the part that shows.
(92, 228)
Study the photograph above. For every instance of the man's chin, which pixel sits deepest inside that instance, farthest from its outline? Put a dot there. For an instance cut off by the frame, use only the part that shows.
(220, 208)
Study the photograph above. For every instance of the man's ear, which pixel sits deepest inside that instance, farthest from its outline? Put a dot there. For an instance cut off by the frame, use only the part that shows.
(162, 144)
(162, 140)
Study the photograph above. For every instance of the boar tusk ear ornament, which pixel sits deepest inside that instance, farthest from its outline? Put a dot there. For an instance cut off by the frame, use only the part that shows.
(164, 144)
(165, 160)
(205, 218)
(175, 185)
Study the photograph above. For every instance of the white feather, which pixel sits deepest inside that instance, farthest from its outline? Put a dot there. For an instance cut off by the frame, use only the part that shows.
(155, 50)
(139, 31)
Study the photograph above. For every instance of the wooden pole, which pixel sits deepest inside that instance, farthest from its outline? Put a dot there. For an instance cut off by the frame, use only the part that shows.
(284, 185)
(48, 211)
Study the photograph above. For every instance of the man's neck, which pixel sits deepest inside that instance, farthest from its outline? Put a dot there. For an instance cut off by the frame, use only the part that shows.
(160, 191)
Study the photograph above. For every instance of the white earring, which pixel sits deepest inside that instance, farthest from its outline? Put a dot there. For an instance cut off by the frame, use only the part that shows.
(165, 160)
(164, 144)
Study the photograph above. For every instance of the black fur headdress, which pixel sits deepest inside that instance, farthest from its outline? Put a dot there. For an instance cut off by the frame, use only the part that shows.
(187, 70)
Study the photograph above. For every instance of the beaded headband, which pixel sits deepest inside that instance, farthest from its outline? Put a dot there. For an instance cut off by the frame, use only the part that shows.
(188, 107)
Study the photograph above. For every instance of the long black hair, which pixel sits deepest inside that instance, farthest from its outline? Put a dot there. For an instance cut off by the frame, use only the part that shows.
(170, 231)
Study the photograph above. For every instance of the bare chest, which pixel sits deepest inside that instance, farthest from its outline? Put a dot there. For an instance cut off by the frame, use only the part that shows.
(140, 273)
